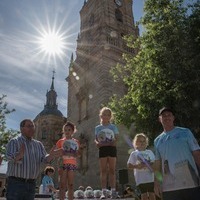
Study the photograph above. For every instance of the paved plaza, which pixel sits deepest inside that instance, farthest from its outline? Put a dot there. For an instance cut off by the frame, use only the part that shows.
(2, 198)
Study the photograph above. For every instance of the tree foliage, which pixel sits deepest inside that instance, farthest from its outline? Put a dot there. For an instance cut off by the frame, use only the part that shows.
(165, 70)
(5, 134)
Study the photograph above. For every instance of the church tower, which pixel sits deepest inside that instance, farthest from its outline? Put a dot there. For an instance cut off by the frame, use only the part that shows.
(49, 123)
(50, 120)
(100, 46)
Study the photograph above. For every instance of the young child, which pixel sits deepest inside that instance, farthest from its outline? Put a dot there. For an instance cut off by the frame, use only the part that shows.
(69, 160)
(47, 181)
(106, 136)
(141, 161)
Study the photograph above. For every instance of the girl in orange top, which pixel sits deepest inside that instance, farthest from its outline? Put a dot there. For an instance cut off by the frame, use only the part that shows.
(69, 160)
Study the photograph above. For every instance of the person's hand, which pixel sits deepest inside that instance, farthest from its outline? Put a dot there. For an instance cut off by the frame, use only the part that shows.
(54, 153)
(20, 155)
(97, 143)
(141, 166)
(55, 190)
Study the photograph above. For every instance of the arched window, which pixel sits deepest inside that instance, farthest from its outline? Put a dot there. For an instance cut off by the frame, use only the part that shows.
(118, 15)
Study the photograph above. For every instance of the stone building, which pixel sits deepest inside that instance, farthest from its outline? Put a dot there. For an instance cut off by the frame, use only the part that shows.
(100, 46)
(49, 123)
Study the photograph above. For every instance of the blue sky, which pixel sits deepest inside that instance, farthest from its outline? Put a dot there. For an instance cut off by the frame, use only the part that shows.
(26, 69)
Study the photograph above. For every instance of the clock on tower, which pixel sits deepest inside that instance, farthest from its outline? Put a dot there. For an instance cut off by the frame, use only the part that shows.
(118, 2)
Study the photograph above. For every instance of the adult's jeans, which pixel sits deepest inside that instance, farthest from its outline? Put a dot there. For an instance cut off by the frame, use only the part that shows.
(20, 190)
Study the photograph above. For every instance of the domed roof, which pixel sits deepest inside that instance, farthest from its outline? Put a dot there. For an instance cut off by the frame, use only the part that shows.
(50, 111)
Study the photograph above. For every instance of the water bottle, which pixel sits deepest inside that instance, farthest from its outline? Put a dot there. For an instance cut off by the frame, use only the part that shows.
(41, 189)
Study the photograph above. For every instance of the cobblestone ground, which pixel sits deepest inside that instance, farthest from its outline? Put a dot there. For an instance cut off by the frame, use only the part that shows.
(86, 199)
(1, 198)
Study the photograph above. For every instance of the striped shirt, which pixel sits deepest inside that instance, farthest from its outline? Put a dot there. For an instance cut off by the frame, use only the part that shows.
(34, 155)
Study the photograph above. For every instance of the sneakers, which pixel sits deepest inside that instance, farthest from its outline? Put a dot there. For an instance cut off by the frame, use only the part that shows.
(103, 195)
(114, 195)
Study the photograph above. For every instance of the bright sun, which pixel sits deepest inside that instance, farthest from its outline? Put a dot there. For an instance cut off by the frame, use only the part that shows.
(52, 43)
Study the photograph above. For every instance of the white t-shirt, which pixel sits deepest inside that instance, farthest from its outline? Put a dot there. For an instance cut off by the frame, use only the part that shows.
(144, 175)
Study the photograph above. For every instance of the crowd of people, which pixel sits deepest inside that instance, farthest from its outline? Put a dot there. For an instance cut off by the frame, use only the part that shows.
(169, 172)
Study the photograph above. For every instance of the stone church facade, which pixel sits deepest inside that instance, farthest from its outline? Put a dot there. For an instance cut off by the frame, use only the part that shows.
(49, 123)
(100, 46)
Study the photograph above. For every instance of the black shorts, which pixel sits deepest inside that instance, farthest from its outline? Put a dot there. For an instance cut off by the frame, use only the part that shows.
(107, 151)
(146, 187)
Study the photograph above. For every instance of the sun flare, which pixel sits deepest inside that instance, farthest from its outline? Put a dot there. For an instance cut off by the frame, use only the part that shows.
(52, 43)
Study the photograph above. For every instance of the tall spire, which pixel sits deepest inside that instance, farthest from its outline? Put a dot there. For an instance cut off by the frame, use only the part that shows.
(52, 84)
(72, 58)
(71, 61)
(51, 95)
(51, 106)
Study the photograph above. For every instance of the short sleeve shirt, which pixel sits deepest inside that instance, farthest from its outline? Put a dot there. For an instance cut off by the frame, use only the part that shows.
(46, 181)
(144, 175)
(174, 149)
(106, 134)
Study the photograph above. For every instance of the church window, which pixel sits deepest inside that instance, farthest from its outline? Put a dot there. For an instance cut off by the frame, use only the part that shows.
(91, 20)
(83, 109)
(44, 134)
(118, 15)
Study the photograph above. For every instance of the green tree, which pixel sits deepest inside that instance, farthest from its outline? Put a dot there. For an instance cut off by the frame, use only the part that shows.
(5, 134)
(165, 70)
